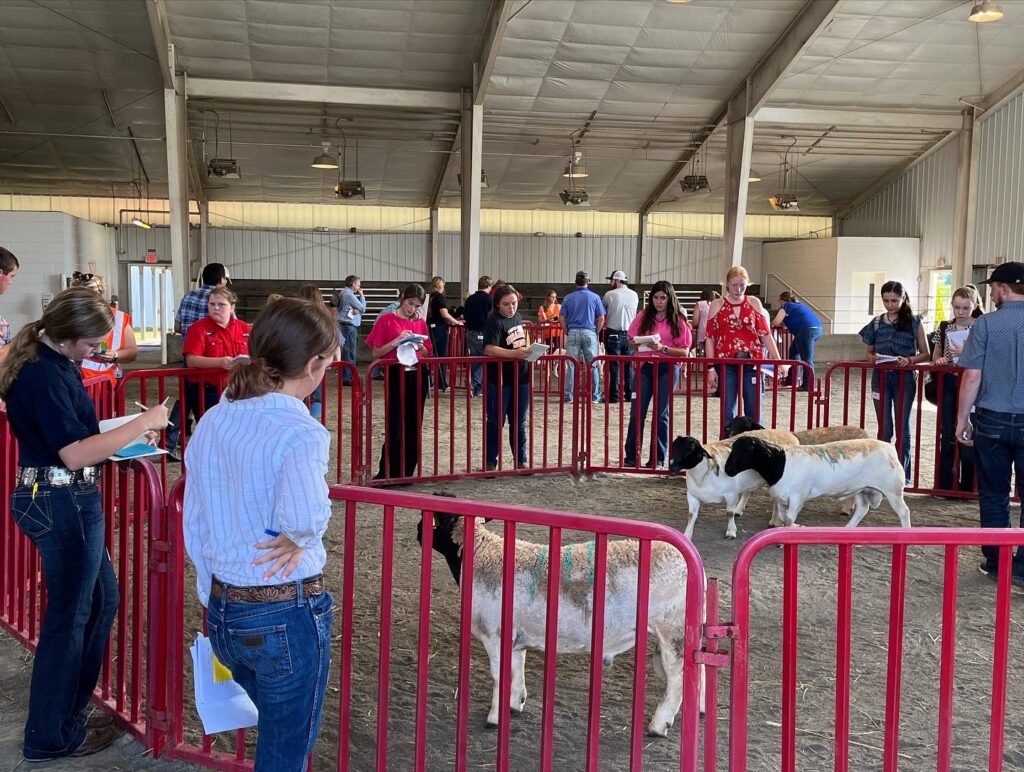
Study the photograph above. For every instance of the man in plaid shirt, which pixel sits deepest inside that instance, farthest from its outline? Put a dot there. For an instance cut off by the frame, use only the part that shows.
(193, 307)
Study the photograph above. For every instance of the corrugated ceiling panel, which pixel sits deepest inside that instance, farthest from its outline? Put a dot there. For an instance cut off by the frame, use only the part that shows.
(999, 223)
(918, 203)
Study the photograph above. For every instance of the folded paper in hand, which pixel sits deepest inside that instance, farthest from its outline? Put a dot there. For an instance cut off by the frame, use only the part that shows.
(222, 704)
(537, 350)
(884, 359)
(643, 341)
(137, 448)
(407, 354)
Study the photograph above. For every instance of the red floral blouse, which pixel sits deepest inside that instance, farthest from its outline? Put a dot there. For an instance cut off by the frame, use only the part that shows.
(737, 334)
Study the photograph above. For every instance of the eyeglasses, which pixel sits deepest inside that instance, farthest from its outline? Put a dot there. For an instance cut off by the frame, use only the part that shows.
(79, 276)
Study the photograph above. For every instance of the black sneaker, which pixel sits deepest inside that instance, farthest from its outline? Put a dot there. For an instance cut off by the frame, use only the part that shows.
(989, 569)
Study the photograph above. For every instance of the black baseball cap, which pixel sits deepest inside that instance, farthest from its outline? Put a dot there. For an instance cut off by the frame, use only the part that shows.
(1007, 273)
(582, 276)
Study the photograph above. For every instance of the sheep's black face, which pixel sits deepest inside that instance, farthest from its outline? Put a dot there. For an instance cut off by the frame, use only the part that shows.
(741, 425)
(444, 525)
(743, 456)
(686, 453)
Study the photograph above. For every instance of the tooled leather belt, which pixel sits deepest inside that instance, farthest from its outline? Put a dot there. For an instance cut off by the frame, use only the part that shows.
(267, 593)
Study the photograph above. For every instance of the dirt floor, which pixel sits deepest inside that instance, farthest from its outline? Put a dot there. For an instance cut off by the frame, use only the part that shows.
(661, 499)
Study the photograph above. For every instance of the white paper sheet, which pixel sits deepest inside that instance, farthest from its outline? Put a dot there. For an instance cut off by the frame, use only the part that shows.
(642, 342)
(407, 354)
(223, 705)
(132, 449)
(537, 350)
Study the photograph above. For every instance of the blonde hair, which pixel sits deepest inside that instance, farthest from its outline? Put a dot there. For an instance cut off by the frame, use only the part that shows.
(437, 284)
(224, 292)
(968, 292)
(312, 293)
(75, 313)
(737, 270)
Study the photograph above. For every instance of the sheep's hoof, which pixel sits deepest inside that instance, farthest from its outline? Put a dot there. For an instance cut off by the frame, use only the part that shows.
(729, 535)
(488, 724)
(652, 732)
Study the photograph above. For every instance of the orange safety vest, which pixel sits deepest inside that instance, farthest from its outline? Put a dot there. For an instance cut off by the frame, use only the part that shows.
(115, 341)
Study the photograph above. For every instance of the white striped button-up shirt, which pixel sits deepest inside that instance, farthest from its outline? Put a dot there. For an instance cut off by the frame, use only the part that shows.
(255, 464)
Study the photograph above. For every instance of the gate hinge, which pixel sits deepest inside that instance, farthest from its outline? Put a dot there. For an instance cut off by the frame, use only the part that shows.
(712, 658)
(158, 720)
(725, 630)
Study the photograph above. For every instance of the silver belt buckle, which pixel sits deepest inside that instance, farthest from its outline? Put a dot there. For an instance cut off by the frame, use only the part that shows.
(59, 476)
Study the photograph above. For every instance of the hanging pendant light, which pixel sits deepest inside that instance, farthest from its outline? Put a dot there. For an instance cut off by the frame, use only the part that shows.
(141, 224)
(325, 160)
(753, 176)
(986, 11)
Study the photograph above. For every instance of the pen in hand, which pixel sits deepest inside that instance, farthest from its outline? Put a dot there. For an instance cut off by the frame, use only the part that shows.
(143, 407)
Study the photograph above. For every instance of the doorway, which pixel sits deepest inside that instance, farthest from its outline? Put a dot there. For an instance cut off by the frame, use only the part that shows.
(151, 302)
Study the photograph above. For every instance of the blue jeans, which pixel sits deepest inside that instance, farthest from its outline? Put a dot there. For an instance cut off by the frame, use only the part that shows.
(316, 402)
(350, 336)
(887, 405)
(497, 413)
(66, 525)
(439, 336)
(804, 342)
(667, 374)
(280, 653)
(999, 447)
(616, 343)
(475, 348)
(581, 342)
(729, 377)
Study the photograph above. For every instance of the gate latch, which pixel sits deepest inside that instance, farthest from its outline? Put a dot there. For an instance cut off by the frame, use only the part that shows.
(710, 655)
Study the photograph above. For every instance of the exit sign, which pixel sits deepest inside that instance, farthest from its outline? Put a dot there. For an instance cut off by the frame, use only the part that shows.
(151, 255)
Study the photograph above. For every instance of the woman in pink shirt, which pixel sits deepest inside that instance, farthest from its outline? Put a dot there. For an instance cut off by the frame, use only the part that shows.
(405, 388)
(658, 374)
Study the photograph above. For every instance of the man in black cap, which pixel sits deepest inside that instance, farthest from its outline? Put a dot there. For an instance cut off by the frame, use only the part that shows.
(993, 385)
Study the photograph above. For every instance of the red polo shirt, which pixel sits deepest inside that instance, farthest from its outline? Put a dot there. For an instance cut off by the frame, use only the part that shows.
(206, 338)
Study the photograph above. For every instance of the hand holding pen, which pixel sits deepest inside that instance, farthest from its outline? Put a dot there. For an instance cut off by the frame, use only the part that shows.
(156, 417)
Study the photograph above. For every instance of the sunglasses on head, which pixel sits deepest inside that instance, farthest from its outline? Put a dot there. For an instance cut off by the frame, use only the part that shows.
(79, 276)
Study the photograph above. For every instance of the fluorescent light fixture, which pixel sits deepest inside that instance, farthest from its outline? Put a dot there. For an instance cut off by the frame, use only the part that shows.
(141, 224)
(325, 160)
(986, 11)
(753, 176)
(573, 173)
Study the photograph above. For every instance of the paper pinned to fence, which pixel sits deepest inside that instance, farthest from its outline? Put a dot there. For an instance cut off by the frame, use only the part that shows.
(221, 703)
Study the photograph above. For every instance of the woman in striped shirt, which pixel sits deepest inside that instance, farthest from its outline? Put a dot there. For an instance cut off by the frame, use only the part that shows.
(256, 509)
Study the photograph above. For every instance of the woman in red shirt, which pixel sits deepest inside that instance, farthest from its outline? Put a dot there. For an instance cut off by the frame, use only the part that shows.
(736, 330)
(405, 387)
(217, 341)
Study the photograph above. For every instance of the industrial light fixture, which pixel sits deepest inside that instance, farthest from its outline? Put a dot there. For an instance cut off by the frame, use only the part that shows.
(325, 160)
(139, 223)
(985, 11)
(785, 200)
(225, 168)
(677, 2)
(575, 195)
(695, 179)
(348, 188)
(753, 176)
(483, 178)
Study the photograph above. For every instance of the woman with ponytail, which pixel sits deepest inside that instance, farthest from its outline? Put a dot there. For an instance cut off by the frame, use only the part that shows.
(895, 333)
(56, 504)
(256, 509)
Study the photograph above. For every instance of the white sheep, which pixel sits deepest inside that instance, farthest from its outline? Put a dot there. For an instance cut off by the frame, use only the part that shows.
(864, 469)
(817, 436)
(666, 609)
(707, 483)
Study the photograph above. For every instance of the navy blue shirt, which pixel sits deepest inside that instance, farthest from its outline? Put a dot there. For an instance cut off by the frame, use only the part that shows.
(49, 408)
(799, 317)
(478, 307)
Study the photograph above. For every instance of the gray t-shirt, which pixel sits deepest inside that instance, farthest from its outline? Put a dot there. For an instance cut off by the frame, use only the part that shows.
(996, 347)
(620, 307)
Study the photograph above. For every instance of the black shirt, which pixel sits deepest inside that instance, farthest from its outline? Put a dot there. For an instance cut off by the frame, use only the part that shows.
(477, 309)
(509, 334)
(49, 408)
(437, 302)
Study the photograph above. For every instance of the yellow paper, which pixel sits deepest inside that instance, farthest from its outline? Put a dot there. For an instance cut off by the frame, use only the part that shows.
(220, 673)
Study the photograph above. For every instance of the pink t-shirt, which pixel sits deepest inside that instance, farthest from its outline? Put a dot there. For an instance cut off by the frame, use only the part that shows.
(683, 340)
(389, 327)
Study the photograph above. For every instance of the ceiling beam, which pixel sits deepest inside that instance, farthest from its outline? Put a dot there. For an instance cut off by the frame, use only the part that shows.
(312, 93)
(1006, 91)
(161, 40)
(483, 67)
(773, 67)
(868, 117)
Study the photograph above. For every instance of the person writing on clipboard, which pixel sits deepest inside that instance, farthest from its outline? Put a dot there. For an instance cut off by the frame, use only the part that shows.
(56, 504)
(508, 384)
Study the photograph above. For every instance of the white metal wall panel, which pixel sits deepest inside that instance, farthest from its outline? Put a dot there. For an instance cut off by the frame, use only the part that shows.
(999, 218)
(919, 203)
(694, 261)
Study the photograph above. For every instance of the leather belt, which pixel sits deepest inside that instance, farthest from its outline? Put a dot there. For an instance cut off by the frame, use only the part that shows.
(57, 476)
(267, 593)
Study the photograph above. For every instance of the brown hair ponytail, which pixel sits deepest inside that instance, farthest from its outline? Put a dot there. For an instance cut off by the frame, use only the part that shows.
(75, 313)
(285, 336)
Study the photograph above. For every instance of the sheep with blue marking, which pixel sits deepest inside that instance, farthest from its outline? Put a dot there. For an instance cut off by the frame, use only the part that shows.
(666, 607)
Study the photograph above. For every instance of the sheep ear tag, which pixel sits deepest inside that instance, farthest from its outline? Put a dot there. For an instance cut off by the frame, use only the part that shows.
(433, 521)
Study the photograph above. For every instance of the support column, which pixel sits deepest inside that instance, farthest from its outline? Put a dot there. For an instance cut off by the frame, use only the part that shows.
(433, 262)
(739, 142)
(963, 208)
(641, 238)
(177, 187)
(472, 166)
(204, 232)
